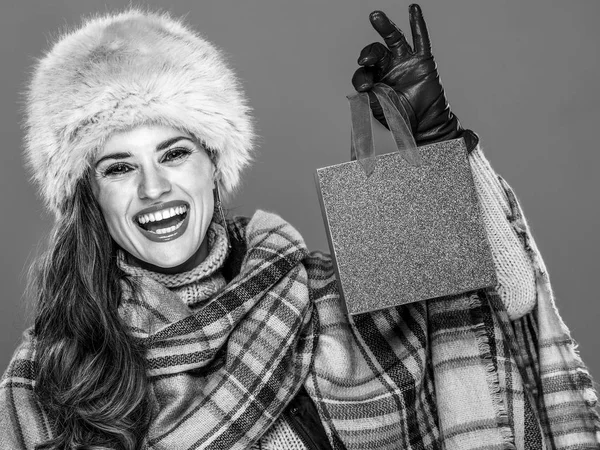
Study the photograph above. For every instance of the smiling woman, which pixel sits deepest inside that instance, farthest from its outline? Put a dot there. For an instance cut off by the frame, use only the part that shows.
(161, 324)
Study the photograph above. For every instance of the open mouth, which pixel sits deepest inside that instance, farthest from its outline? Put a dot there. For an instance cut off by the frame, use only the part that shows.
(164, 221)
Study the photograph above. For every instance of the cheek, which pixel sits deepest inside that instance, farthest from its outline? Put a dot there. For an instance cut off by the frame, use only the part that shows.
(204, 200)
(205, 191)
(200, 186)
(113, 205)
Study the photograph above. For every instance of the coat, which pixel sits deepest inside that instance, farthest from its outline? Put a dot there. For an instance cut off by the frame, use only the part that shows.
(478, 370)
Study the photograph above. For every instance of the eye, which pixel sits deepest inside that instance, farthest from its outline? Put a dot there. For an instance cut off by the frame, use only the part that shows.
(175, 154)
(117, 169)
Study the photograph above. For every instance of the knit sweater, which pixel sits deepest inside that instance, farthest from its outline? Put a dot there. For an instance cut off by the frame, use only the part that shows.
(516, 276)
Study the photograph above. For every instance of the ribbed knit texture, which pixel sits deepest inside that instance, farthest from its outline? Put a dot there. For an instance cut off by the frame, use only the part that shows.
(196, 286)
(516, 277)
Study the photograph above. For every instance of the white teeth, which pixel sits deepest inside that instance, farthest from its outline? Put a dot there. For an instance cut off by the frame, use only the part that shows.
(161, 215)
(168, 229)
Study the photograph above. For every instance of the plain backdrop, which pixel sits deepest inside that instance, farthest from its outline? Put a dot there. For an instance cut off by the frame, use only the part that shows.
(523, 75)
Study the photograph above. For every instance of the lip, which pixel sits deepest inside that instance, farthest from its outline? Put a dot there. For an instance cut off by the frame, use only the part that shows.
(169, 236)
(159, 206)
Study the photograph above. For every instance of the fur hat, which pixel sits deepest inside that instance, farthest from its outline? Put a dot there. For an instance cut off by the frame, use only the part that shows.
(121, 70)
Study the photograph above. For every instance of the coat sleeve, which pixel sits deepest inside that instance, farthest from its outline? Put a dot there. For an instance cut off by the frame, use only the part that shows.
(23, 423)
(514, 269)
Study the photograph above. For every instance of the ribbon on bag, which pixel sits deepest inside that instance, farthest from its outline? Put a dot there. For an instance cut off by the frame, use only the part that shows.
(362, 147)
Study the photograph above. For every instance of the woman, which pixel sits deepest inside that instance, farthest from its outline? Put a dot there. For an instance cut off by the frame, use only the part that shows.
(162, 325)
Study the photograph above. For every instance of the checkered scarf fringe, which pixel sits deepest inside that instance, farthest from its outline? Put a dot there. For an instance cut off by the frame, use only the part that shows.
(450, 373)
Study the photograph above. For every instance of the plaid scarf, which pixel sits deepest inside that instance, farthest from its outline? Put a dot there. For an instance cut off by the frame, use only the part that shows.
(451, 373)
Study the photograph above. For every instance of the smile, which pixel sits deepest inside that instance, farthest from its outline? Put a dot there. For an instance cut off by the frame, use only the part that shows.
(163, 222)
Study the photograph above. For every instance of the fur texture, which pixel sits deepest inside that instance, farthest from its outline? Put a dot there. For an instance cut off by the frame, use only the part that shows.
(121, 70)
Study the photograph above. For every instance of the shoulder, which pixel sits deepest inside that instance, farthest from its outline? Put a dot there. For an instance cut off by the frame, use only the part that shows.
(263, 224)
(260, 241)
(266, 232)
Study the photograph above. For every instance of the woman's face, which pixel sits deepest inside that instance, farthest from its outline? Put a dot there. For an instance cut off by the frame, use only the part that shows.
(154, 185)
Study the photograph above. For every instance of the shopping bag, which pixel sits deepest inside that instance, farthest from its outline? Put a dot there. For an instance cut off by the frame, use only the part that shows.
(404, 226)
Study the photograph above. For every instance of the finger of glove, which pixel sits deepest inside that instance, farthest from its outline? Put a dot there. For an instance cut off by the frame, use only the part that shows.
(421, 41)
(391, 34)
(375, 55)
(363, 79)
(376, 109)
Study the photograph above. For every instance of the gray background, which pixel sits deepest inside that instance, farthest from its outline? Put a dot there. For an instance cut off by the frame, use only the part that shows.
(522, 74)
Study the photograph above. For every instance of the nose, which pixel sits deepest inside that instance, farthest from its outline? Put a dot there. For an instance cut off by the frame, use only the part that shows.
(153, 184)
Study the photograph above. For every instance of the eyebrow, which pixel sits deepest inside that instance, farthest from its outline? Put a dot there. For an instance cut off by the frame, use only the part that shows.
(124, 155)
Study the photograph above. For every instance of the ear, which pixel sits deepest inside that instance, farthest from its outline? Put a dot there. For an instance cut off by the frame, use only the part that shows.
(215, 174)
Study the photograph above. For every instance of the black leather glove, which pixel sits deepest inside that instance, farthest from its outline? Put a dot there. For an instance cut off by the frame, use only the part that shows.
(413, 74)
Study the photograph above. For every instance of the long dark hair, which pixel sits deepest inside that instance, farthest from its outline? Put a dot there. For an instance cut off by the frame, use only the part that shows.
(91, 375)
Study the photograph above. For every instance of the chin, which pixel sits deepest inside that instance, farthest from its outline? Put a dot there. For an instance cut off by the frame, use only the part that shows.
(167, 264)
(169, 257)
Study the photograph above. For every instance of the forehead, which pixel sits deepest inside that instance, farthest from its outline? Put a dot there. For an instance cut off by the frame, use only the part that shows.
(140, 138)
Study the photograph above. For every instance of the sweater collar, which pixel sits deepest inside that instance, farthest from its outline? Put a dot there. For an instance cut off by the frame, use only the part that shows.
(217, 254)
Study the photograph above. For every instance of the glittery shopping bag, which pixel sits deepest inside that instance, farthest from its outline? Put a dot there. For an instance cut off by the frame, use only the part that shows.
(404, 226)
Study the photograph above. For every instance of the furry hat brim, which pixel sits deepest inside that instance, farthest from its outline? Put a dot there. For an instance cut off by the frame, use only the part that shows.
(122, 70)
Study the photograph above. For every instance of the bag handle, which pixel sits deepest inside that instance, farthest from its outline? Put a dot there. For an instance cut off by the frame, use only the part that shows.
(362, 147)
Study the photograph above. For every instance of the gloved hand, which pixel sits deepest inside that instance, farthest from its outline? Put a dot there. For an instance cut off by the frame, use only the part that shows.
(414, 76)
